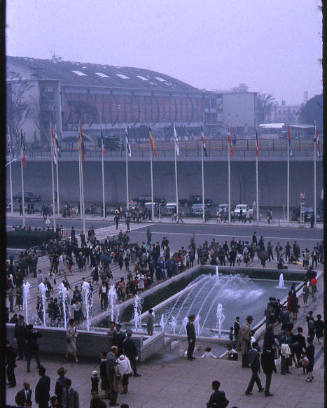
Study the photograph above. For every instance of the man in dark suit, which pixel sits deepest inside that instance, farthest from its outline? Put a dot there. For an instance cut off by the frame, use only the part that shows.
(237, 327)
(130, 350)
(254, 362)
(11, 364)
(24, 397)
(20, 329)
(32, 347)
(42, 389)
(217, 398)
(191, 337)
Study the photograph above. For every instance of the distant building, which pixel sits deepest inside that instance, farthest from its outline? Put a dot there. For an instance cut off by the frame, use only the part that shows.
(104, 97)
(283, 113)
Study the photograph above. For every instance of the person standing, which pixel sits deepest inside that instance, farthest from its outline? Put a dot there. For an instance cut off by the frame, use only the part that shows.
(42, 389)
(254, 362)
(319, 326)
(268, 366)
(130, 350)
(149, 323)
(60, 383)
(70, 397)
(310, 350)
(111, 382)
(11, 364)
(124, 370)
(20, 332)
(24, 396)
(243, 342)
(217, 398)
(71, 337)
(32, 347)
(191, 337)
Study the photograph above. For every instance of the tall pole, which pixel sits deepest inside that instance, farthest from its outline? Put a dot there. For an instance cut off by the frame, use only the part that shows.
(80, 186)
(23, 195)
(127, 187)
(11, 195)
(57, 182)
(257, 186)
(151, 176)
(315, 179)
(288, 186)
(53, 182)
(83, 200)
(202, 176)
(229, 191)
(176, 184)
(103, 193)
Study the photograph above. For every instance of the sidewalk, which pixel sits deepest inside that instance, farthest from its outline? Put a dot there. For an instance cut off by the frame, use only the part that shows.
(186, 220)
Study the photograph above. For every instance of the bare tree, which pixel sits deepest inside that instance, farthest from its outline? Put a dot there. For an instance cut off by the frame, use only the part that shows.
(265, 102)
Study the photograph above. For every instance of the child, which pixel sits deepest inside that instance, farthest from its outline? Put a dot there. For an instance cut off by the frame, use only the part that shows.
(208, 353)
(319, 326)
(103, 373)
(304, 362)
(230, 353)
(94, 381)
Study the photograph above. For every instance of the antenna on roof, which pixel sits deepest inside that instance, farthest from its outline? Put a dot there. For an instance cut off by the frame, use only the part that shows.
(54, 57)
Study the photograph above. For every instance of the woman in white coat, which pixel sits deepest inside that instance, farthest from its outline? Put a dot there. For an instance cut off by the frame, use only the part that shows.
(123, 372)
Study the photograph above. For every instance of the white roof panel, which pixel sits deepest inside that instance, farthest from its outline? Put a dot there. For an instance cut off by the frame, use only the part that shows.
(79, 73)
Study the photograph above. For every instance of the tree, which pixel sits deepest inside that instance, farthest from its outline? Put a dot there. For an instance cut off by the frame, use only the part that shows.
(312, 111)
(264, 104)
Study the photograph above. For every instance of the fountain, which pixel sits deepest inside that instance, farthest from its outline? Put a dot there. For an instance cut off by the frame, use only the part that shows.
(173, 324)
(137, 311)
(162, 323)
(43, 289)
(26, 295)
(85, 295)
(217, 272)
(220, 318)
(281, 284)
(197, 324)
(184, 324)
(112, 301)
(63, 294)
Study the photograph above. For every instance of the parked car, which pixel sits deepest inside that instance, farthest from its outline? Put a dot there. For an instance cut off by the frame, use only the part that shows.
(222, 209)
(308, 212)
(170, 208)
(28, 197)
(237, 211)
(208, 202)
(197, 209)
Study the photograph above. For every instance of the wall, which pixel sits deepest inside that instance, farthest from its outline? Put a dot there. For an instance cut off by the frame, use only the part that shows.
(239, 109)
(272, 180)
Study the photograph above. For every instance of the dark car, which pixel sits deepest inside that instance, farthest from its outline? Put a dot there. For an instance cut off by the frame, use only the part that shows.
(28, 197)
(308, 212)
(208, 202)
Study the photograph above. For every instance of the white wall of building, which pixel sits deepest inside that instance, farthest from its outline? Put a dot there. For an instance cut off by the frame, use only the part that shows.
(239, 109)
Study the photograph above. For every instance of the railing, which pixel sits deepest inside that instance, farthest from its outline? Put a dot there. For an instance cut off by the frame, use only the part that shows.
(191, 149)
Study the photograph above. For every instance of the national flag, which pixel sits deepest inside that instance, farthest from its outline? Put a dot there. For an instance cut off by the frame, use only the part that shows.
(153, 146)
(81, 147)
(103, 147)
(204, 147)
(10, 146)
(176, 141)
(229, 138)
(289, 141)
(256, 144)
(22, 149)
(57, 141)
(128, 146)
(316, 140)
(53, 145)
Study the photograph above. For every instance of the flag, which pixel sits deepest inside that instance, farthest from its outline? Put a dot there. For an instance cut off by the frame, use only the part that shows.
(176, 141)
(128, 146)
(289, 141)
(316, 140)
(81, 147)
(153, 146)
(22, 149)
(103, 147)
(231, 150)
(256, 144)
(56, 142)
(10, 146)
(53, 145)
(204, 147)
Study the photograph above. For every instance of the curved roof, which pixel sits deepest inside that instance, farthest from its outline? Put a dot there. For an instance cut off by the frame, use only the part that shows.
(86, 74)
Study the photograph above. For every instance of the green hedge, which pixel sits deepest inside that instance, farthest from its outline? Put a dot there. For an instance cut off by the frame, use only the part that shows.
(28, 239)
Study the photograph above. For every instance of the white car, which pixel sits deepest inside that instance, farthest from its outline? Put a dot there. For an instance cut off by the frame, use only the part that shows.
(244, 207)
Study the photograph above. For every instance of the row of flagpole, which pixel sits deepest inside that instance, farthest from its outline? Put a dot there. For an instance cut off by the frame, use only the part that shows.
(153, 152)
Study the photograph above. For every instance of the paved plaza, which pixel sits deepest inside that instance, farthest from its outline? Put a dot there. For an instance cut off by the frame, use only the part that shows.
(169, 380)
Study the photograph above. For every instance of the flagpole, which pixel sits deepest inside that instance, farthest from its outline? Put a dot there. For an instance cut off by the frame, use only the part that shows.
(229, 192)
(23, 196)
(315, 178)
(127, 187)
(176, 184)
(103, 193)
(202, 174)
(257, 185)
(80, 185)
(83, 201)
(288, 184)
(11, 195)
(151, 175)
(57, 181)
(52, 180)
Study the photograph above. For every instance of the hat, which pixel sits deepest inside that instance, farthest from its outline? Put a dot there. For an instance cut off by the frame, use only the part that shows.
(61, 371)
(94, 372)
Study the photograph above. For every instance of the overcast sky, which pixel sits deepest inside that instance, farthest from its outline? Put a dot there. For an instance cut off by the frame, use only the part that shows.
(273, 46)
